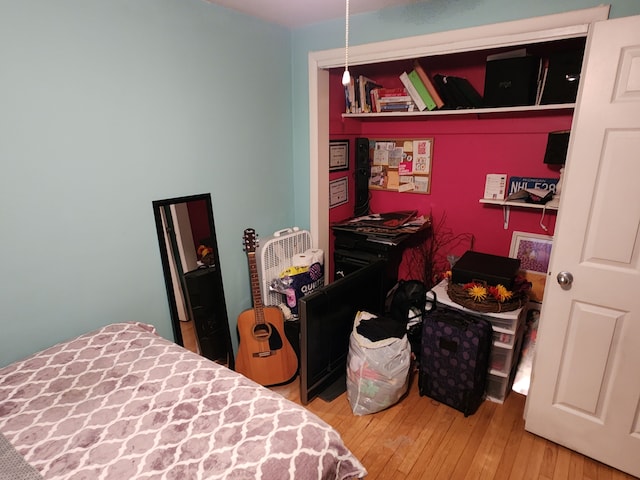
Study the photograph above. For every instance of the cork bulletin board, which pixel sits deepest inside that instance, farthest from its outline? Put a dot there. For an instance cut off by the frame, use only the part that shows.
(401, 165)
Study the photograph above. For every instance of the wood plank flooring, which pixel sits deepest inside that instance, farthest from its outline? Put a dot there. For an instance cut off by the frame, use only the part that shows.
(418, 438)
(189, 338)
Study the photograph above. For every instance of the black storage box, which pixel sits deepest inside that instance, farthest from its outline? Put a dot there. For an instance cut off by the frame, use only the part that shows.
(484, 267)
(557, 147)
(511, 82)
(562, 78)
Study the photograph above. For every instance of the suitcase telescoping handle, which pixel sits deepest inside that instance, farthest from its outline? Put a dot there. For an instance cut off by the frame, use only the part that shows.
(453, 316)
(430, 302)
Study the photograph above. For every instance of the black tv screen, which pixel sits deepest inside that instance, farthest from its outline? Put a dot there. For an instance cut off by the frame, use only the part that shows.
(326, 320)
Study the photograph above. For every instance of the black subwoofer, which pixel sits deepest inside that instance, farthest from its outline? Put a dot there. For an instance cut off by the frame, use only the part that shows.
(362, 173)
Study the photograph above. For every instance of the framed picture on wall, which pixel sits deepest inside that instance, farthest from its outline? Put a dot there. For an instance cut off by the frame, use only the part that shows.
(338, 155)
(533, 251)
(338, 191)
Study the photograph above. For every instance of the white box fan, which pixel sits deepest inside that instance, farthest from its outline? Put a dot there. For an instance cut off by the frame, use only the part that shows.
(275, 254)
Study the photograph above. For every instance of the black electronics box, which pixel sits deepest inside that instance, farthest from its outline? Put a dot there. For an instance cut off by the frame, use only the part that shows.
(557, 147)
(511, 82)
(484, 267)
(562, 77)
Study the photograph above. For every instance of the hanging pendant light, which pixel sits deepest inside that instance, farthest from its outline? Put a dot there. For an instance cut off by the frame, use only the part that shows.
(346, 78)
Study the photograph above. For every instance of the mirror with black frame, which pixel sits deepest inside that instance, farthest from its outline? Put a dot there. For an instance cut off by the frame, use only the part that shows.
(193, 278)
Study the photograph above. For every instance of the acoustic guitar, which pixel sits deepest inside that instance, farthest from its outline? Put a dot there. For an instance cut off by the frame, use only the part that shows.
(264, 354)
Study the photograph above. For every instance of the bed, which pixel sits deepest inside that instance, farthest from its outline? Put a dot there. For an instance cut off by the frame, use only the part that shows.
(124, 403)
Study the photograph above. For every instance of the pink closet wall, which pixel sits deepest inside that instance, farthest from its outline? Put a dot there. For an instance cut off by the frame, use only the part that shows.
(465, 149)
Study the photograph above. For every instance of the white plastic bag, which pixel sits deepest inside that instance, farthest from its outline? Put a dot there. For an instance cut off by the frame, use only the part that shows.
(377, 372)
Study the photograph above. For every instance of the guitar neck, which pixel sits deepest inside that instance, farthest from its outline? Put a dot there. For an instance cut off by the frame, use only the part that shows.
(258, 306)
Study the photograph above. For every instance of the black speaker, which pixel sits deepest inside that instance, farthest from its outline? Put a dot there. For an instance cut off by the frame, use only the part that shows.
(557, 146)
(563, 77)
(363, 171)
(511, 82)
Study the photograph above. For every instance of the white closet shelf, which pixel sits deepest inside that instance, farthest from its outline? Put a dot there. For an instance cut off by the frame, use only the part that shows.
(465, 111)
(506, 207)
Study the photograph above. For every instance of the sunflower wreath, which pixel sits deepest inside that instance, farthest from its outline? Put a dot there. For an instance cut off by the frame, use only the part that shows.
(479, 297)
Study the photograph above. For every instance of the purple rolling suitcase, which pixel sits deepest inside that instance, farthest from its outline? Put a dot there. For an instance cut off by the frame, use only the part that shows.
(454, 357)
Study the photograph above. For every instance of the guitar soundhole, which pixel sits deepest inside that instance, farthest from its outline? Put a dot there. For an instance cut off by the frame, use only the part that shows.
(262, 331)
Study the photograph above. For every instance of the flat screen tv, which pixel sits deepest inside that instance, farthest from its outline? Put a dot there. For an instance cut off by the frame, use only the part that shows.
(326, 320)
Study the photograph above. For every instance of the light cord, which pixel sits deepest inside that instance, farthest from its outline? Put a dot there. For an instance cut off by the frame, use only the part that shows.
(346, 78)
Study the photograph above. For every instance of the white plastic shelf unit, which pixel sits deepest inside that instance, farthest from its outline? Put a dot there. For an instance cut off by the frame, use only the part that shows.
(508, 331)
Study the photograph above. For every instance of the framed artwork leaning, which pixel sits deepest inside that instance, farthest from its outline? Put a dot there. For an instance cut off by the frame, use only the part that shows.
(533, 251)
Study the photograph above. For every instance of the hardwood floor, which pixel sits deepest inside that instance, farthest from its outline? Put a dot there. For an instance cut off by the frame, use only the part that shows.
(419, 438)
(189, 336)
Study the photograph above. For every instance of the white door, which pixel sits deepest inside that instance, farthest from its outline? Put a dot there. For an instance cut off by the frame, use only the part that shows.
(585, 391)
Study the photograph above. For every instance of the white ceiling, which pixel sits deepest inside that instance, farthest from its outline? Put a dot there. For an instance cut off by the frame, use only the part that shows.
(297, 13)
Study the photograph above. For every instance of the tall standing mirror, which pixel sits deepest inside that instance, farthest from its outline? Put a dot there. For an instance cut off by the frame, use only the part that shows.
(193, 278)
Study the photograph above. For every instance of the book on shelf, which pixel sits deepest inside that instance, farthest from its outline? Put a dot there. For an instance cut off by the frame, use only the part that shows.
(474, 99)
(417, 99)
(350, 97)
(449, 102)
(421, 89)
(385, 96)
(542, 80)
(458, 92)
(398, 98)
(392, 92)
(375, 99)
(433, 91)
(398, 107)
(454, 98)
(365, 86)
(357, 94)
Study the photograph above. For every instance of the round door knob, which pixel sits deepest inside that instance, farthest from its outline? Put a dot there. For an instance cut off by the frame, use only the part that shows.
(565, 279)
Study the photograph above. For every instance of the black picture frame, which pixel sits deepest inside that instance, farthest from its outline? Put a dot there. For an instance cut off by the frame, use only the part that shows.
(338, 192)
(338, 155)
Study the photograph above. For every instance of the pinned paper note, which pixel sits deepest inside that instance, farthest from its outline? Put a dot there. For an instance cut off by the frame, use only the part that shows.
(393, 182)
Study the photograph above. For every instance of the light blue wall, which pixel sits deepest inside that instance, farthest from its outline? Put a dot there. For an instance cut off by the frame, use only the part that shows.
(105, 106)
(416, 19)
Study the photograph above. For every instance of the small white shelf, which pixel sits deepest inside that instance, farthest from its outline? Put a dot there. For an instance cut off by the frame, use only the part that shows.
(503, 203)
(465, 111)
(506, 207)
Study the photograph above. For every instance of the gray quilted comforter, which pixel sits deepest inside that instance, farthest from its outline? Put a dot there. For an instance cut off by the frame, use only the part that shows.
(124, 403)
